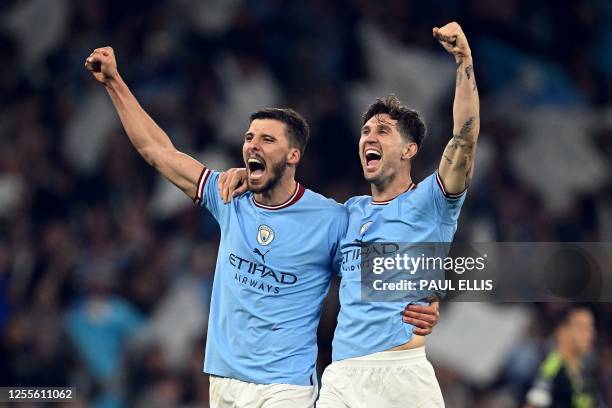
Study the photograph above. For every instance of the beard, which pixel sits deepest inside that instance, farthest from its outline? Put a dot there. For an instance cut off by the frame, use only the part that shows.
(276, 173)
(384, 176)
(376, 178)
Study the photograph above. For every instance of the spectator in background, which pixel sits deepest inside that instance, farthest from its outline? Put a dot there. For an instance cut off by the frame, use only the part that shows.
(99, 326)
(564, 380)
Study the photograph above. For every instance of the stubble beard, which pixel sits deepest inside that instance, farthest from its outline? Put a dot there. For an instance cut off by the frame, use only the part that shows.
(276, 173)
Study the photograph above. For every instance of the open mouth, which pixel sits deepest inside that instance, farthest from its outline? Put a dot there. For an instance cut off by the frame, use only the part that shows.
(372, 158)
(256, 168)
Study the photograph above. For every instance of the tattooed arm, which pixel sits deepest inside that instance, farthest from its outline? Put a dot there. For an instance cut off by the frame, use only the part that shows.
(457, 164)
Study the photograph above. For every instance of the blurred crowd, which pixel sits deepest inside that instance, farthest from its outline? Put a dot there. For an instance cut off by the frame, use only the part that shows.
(106, 270)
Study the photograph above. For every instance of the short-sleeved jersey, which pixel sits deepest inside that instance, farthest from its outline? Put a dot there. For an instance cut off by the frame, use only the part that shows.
(273, 271)
(424, 213)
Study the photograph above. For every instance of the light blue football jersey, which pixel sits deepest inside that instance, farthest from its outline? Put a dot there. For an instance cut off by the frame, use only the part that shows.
(273, 271)
(424, 213)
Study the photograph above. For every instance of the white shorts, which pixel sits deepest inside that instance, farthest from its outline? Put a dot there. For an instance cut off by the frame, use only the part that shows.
(231, 393)
(382, 380)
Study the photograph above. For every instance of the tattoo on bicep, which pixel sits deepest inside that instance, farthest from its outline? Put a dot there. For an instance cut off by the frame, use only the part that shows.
(449, 161)
(467, 159)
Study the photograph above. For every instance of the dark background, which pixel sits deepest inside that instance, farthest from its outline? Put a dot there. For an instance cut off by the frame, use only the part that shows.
(105, 269)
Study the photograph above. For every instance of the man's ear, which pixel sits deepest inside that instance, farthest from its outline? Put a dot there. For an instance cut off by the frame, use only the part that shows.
(409, 151)
(294, 156)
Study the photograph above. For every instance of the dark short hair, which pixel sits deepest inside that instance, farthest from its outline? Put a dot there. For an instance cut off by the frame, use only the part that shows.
(298, 131)
(409, 122)
(564, 316)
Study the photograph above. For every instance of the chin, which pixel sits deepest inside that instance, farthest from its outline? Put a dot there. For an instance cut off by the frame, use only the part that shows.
(371, 177)
(254, 188)
(258, 188)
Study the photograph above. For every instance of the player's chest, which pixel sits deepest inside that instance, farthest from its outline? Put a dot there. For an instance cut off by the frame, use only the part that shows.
(273, 239)
(361, 219)
(360, 224)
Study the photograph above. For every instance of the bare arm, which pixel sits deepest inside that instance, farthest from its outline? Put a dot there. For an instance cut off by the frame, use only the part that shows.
(457, 163)
(151, 142)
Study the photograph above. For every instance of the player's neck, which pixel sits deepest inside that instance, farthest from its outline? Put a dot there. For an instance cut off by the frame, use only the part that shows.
(279, 194)
(391, 189)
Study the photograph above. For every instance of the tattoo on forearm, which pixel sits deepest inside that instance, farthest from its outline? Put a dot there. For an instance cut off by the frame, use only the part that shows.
(459, 142)
(468, 72)
(467, 126)
(455, 142)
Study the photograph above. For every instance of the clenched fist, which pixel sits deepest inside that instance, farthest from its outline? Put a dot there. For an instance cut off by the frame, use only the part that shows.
(102, 64)
(453, 40)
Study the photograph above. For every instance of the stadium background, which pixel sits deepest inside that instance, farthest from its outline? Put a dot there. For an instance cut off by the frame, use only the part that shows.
(105, 270)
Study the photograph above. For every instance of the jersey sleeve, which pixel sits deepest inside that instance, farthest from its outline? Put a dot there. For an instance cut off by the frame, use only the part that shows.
(207, 194)
(447, 206)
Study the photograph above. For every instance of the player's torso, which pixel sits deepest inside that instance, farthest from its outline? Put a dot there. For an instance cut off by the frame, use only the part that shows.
(276, 254)
(272, 274)
(361, 217)
(367, 327)
(401, 220)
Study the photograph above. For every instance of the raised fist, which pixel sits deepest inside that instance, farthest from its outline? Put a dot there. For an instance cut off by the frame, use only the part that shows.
(102, 64)
(453, 40)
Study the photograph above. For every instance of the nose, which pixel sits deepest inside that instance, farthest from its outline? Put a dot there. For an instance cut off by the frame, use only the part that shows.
(371, 137)
(253, 145)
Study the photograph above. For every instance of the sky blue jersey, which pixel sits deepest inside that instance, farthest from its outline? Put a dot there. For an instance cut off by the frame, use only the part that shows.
(272, 274)
(424, 213)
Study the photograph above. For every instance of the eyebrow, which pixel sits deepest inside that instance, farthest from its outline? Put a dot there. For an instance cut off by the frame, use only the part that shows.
(379, 125)
(263, 135)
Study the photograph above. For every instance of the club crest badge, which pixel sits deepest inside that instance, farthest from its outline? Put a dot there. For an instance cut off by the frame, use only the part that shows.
(365, 227)
(265, 235)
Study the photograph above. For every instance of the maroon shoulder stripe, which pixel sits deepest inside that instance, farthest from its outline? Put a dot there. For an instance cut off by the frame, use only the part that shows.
(200, 185)
(446, 194)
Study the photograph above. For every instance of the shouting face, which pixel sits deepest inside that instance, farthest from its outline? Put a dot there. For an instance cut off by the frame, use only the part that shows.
(383, 151)
(267, 154)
